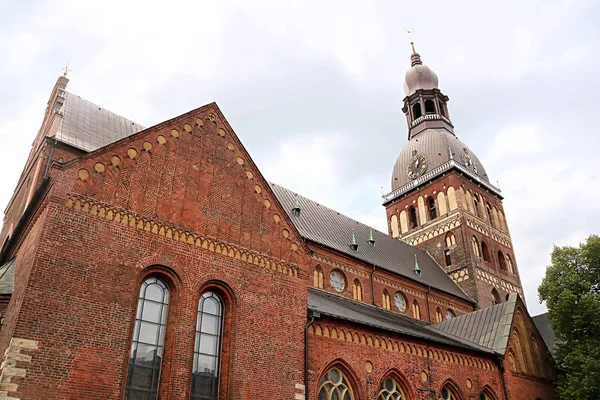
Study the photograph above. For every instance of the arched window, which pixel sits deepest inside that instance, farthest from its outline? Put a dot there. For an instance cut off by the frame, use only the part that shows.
(429, 107)
(412, 217)
(502, 221)
(485, 252)
(520, 351)
(442, 109)
(416, 110)
(486, 395)
(438, 315)
(509, 264)
(318, 277)
(496, 296)
(385, 299)
(476, 204)
(335, 386)
(148, 340)
(431, 206)
(450, 239)
(502, 261)
(475, 246)
(447, 258)
(400, 301)
(390, 390)
(488, 210)
(357, 290)
(450, 314)
(511, 362)
(448, 394)
(416, 310)
(207, 349)
(539, 366)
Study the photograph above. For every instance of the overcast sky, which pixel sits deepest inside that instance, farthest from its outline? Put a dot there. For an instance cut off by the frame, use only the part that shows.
(314, 91)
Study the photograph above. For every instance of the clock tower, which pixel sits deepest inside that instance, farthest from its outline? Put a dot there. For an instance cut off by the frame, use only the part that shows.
(442, 200)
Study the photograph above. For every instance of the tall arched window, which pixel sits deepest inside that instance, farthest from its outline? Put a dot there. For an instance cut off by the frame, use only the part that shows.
(488, 209)
(448, 394)
(438, 315)
(390, 390)
(385, 299)
(520, 351)
(335, 386)
(318, 277)
(429, 107)
(450, 239)
(412, 217)
(416, 110)
(502, 261)
(511, 361)
(207, 348)
(485, 252)
(475, 246)
(509, 264)
(357, 290)
(539, 366)
(476, 204)
(148, 341)
(416, 310)
(432, 209)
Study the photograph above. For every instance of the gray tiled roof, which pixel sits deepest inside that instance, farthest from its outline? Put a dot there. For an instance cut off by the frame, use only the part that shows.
(88, 126)
(7, 277)
(329, 228)
(489, 327)
(339, 307)
(543, 325)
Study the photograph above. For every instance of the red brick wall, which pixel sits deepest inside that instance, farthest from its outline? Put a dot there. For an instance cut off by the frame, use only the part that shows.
(403, 356)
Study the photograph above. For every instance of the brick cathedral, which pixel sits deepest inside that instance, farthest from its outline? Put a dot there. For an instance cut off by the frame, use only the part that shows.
(158, 263)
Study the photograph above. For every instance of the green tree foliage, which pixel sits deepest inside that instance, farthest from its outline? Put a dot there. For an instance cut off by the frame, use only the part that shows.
(571, 290)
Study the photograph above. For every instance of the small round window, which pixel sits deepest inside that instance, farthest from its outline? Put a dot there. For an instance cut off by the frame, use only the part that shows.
(400, 302)
(337, 280)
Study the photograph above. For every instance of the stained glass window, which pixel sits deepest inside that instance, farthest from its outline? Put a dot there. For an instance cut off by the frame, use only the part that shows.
(148, 341)
(390, 390)
(337, 280)
(334, 386)
(207, 348)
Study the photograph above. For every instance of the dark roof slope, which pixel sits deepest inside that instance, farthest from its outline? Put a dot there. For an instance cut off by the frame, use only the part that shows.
(339, 307)
(543, 325)
(88, 127)
(329, 228)
(488, 327)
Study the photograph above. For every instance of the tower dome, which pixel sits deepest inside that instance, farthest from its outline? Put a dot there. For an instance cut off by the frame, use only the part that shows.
(419, 76)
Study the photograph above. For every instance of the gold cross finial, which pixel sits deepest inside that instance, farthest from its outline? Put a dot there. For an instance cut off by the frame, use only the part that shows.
(412, 42)
(66, 69)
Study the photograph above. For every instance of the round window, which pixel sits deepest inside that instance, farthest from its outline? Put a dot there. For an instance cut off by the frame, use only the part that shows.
(337, 280)
(400, 302)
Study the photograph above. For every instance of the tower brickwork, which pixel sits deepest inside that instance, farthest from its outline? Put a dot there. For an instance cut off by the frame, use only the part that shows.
(442, 200)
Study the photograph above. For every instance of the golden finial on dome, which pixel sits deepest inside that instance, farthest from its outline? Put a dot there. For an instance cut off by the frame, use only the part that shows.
(67, 69)
(412, 42)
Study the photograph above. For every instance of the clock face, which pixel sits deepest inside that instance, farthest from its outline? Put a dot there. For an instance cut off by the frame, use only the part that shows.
(468, 161)
(417, 166)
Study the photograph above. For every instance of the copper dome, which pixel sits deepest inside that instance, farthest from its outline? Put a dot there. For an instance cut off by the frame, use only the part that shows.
(435, 145)
(419, 76)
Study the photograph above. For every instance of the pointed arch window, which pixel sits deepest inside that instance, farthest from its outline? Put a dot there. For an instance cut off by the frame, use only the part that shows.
(438, 315)
(475, 246)
(488, 209)
(390, 390)
(502, 261)
(385, 299)
(450, 239)
(357, 290)
(318, 277)
(416, 310)
(476, 205)
(496, 297)
(147, 345)
(509, 264)
(448, 394)
(536, 357)
(486, 395)
(432, 209)
(450, 314)
(207, 348)
(485, 252)
(335, 386)
(520, 351)
(412, 217)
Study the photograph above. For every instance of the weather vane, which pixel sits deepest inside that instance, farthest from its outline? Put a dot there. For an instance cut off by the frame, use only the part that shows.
(67, 69)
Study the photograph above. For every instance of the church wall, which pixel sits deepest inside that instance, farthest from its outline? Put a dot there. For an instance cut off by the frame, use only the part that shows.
(367, 356)
(326, 261)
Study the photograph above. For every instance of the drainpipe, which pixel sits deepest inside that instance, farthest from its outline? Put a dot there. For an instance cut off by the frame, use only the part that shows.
(501, 369)
(313, 315)
(372, 286)
(427, 302)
